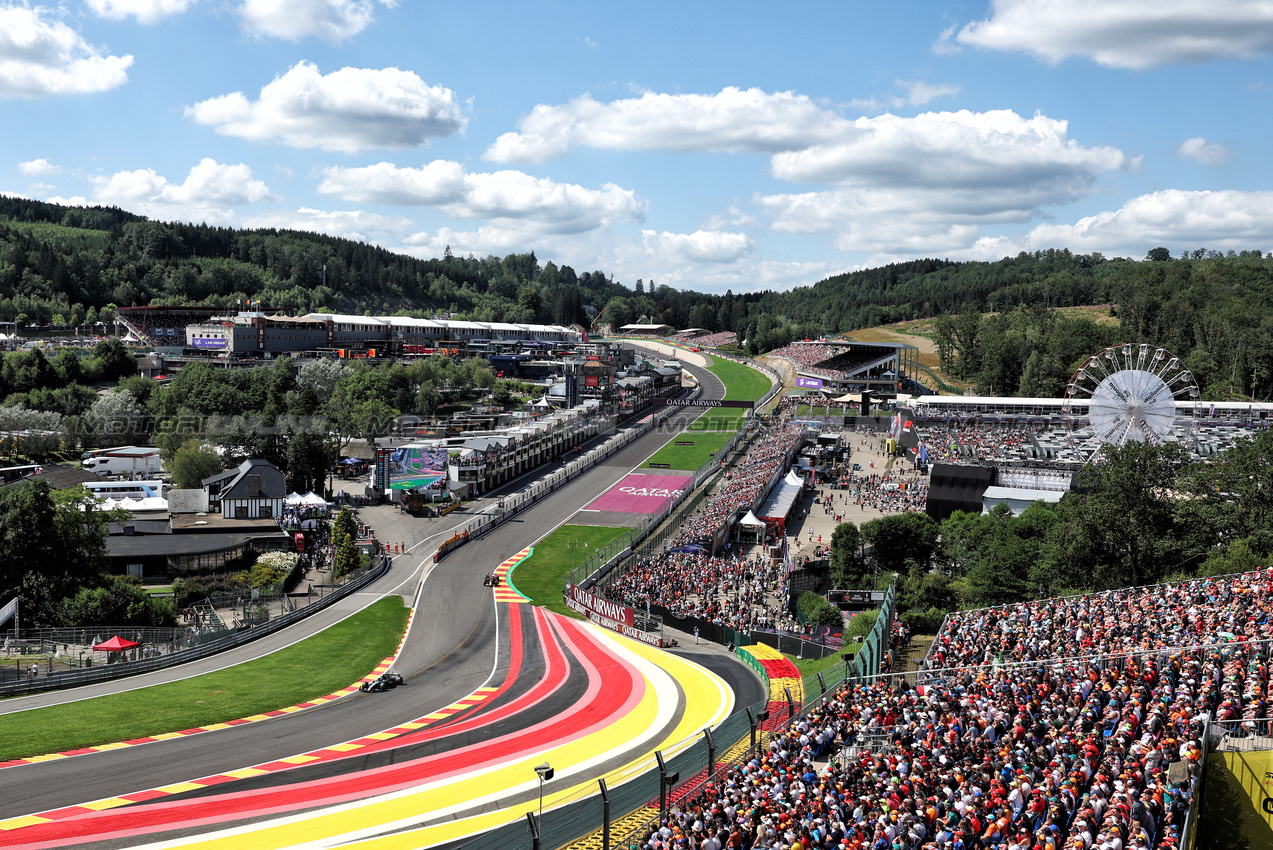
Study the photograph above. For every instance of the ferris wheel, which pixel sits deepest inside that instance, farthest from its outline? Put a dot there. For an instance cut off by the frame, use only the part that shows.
(1133, 393)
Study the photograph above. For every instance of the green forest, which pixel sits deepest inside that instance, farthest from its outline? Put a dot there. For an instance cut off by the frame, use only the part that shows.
(994, 323)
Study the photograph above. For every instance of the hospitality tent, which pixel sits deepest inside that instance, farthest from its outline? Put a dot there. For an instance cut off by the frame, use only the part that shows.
(116, 644)
(755, 524)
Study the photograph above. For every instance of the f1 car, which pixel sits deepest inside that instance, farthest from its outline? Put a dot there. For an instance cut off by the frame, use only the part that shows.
(383, 682)
(491, 580)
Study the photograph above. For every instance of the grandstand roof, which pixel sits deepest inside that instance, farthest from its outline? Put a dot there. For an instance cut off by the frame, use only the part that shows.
(1017, 499)
(780, 502)
(347, 319)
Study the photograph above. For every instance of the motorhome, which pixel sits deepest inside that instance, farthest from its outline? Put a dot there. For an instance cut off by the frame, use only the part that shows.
(127, 461)
(128, 489)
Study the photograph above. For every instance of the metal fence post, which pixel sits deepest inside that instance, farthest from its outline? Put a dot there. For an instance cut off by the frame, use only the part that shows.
(711, 754)
(605, 815)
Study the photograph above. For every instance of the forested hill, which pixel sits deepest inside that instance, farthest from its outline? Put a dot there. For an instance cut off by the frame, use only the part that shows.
(63, 264)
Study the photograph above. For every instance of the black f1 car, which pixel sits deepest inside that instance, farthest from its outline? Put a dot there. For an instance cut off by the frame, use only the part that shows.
(383, 682)
(491, 580)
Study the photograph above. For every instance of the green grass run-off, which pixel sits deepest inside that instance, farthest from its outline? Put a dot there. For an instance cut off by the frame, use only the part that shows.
(706, 443)
(542, 576)
(326, 662)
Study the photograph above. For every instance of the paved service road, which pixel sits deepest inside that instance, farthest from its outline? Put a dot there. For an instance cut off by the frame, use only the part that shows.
(461, 643)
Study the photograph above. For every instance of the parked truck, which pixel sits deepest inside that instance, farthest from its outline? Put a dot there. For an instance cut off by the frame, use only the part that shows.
(127, 461)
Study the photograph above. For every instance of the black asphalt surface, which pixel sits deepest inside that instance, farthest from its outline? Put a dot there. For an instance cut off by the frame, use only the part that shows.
(455, 646)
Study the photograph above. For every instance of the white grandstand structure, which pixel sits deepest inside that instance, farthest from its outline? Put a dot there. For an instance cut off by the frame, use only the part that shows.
(1053, 433)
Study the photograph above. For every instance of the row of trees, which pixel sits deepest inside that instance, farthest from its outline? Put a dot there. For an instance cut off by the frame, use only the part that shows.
(1215, 310)
(1145, 514)
(298, 416)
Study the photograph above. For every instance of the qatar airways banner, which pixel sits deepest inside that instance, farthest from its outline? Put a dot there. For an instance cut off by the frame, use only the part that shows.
(598, 608)
(642, 494)
(607, 614)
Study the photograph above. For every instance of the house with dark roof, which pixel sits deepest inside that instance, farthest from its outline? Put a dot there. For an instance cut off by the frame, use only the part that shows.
(255, 489)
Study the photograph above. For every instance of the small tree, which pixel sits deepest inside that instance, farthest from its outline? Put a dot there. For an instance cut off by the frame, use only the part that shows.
(192, 463)
(847, 566)
(344, 526)
(347, 558)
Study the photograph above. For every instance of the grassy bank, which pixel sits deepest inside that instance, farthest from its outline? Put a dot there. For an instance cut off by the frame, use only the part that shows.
(542, 574)
(706, 443)
(318, 665)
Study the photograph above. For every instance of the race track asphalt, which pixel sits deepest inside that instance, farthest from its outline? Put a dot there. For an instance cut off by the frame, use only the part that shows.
(458, 643)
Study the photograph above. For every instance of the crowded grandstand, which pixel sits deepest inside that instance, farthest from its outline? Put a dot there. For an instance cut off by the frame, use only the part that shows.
(1074, 723)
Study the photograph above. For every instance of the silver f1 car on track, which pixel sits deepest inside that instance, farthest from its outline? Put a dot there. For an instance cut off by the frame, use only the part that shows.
(383, 682)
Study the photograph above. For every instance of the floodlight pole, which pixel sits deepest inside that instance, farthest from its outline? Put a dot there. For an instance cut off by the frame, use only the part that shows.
(544, 772)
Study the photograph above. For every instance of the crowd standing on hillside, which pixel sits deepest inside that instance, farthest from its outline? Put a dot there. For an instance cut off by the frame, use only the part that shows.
(1190, 613)
(1074, 755)
(742, 484)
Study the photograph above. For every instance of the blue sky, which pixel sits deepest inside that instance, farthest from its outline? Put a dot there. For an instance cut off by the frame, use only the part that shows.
(707, 146)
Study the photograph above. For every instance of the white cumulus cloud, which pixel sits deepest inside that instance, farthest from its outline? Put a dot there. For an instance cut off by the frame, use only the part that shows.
(733, 119)
(145, 11)
(898, 181)
(1172, 218)
(509, 196)
(293, 20)
(349, 110)
(917, 93)
(953, 149)
(37, 167)
(701, 246)
(1200, 150)
(41, 56)
(208, 193)
(1136, 34)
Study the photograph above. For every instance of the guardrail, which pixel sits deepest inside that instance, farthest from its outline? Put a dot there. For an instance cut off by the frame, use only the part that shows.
(93, 675)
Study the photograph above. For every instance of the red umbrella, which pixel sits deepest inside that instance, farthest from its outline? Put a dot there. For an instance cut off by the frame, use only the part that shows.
(116, 644)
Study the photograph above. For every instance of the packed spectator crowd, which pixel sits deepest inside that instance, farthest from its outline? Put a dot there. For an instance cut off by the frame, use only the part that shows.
(979, 441)
(744, 594)
(826, 361)
(1071, 755)
(809, 357)
(714, 340)
(743, 484)
(1190, 613)
(887, 492)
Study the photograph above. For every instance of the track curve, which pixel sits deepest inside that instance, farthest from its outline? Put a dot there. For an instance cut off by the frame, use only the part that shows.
(493, 687)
